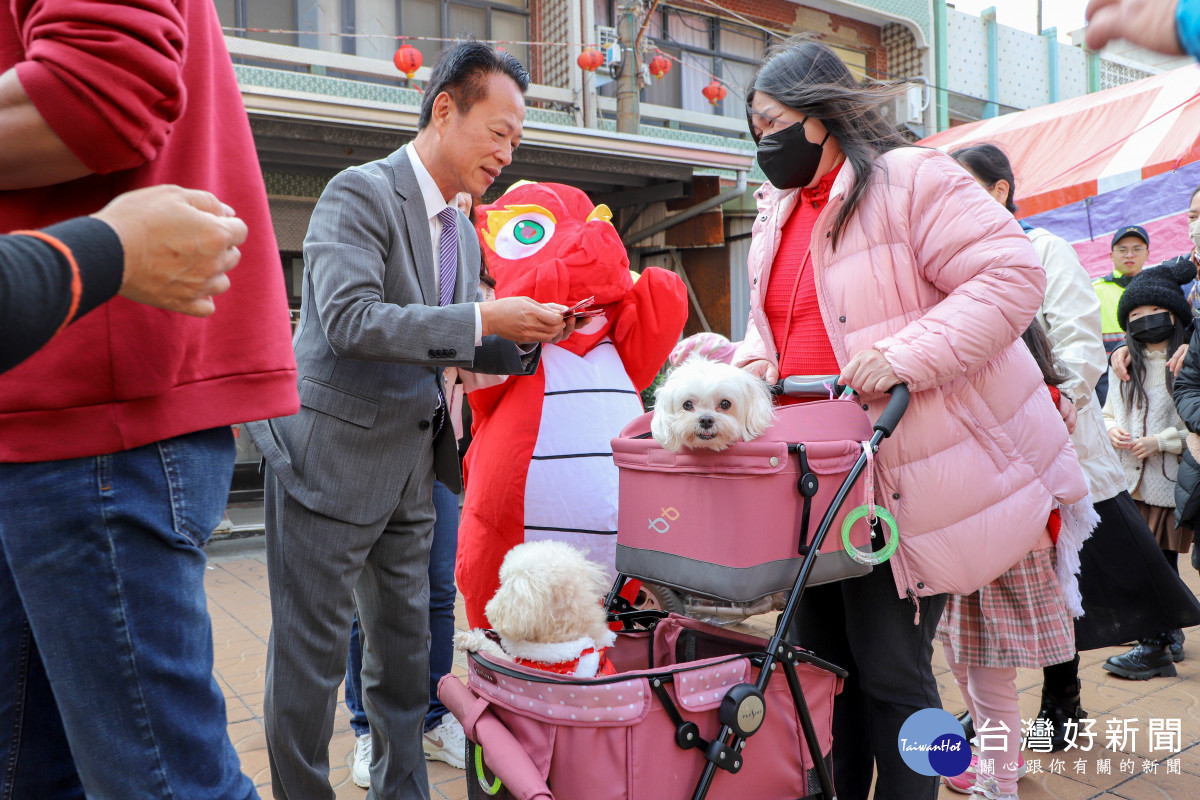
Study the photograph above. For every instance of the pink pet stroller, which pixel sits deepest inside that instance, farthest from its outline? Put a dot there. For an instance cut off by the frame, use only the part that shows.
(687, 697)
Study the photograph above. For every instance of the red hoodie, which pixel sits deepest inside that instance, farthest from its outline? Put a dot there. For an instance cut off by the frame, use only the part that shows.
(143, 93)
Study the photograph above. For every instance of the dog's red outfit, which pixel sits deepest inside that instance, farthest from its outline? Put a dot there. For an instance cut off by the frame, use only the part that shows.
(588, 664)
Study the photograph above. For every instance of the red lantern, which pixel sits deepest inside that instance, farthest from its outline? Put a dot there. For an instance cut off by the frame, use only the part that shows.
(659, 66)
(590, 59)
(407, 59)
(715, 92)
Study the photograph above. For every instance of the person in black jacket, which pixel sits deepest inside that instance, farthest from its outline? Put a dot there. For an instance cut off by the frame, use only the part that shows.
(163, 246)
(1186, 395)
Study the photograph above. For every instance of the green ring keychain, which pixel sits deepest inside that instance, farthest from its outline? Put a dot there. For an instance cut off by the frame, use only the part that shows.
(871, 513)
(864, 556)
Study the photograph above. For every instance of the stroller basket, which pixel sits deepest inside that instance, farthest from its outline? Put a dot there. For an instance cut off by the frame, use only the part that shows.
(718, 525)
(732, 524)
(546, 735)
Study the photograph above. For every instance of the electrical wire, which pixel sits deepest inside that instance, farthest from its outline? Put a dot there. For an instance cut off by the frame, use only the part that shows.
(637, 41)
(403, 39)
(400, 37)
(751, 23)
(785, 37)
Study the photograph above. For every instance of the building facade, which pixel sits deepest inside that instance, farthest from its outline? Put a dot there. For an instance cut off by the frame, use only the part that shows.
(322, 93)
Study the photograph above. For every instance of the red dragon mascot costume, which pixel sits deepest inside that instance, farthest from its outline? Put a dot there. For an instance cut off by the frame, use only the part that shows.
(540, 461)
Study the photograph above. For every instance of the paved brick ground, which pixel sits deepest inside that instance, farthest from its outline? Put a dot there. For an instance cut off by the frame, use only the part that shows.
(238, 601)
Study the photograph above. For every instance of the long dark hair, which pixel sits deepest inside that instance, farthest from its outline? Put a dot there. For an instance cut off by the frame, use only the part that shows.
(990, 165)
(1038, 342)
(1134, 389)
(807, 76)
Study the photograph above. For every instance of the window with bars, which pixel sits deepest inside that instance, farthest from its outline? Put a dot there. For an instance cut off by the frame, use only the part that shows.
(378, 23)
(702, 48)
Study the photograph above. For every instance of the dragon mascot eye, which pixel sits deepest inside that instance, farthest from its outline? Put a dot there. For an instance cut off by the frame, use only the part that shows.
(539, 465)
(524, 235)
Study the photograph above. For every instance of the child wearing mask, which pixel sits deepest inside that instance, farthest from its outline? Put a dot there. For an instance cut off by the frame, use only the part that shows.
(1148, 433)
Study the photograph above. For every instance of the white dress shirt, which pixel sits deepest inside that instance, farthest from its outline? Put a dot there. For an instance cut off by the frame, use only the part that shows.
(434, 203)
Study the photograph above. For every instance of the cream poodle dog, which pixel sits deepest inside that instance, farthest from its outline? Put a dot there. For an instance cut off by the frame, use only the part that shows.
(548, 612)
(711, 405)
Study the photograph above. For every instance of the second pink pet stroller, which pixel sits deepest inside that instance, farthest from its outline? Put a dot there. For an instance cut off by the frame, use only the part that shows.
(688, 697)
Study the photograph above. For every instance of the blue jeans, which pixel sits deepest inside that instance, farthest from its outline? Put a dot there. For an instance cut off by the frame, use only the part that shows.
(106, 652)
(441, 617)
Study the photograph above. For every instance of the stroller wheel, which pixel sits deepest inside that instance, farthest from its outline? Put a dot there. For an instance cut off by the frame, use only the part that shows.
(482, 782)
(659, 598)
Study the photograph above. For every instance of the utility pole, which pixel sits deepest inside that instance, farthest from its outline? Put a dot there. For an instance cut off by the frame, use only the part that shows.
(589, 78)
(629, 18)
(1039, 18)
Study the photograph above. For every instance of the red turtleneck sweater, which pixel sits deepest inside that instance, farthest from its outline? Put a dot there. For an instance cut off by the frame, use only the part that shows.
(791, 299)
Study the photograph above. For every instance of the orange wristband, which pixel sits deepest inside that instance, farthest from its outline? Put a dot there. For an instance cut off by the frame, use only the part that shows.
(76, 278)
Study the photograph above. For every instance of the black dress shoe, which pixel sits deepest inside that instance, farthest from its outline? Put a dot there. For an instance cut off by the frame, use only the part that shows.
(968, 725)
(1058, 709)
(1176, 638)
(1151, 658)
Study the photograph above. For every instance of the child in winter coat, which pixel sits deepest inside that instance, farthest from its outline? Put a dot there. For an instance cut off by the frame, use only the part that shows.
(1148, 433)
(1021, 619)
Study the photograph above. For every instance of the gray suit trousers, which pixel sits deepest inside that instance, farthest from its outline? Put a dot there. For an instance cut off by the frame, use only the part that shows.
(321, 569)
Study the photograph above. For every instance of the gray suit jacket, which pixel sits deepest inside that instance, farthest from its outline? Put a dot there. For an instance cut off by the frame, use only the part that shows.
(370, 347)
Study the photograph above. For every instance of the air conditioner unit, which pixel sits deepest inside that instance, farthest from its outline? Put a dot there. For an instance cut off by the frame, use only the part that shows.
(605, 38)
(608, 44)
(912, 105)
(909, 107)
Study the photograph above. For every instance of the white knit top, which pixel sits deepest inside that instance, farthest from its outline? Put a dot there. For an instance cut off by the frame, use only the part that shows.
(1153, 480)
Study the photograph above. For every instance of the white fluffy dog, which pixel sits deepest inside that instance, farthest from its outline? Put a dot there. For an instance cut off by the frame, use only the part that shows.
(548, 612)
(708, 404)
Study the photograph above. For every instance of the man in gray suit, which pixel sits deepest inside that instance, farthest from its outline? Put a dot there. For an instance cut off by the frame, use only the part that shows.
(391, 276)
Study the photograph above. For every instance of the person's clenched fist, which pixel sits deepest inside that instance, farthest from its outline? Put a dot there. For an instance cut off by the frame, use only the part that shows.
(178, 246)
(1147, 23)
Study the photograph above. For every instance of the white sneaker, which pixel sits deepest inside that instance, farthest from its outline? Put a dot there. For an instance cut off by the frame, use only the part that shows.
(446, 742)
(988, 789)
(360, 767)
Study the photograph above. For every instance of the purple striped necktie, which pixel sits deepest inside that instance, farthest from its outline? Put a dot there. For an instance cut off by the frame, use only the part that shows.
(448, 259)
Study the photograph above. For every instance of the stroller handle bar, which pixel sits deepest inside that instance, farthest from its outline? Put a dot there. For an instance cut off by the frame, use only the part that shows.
(825, 386)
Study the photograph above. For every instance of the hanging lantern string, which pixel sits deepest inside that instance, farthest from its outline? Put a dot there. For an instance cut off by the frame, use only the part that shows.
(400, 38)
(733, 90)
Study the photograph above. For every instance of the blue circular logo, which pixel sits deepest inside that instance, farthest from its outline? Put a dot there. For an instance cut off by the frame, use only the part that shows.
(932, 743)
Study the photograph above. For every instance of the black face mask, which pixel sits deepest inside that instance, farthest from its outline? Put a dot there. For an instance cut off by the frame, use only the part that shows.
(788, 159)
(1152, 328)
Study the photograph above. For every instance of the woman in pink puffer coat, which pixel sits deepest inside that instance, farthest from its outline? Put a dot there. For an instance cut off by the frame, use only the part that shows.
(892, 265)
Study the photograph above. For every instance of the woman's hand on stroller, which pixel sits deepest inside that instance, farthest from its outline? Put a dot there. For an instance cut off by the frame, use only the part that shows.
(869, 374)
(764, 369)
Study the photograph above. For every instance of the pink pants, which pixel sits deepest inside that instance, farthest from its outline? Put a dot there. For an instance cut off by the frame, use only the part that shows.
(991, 696)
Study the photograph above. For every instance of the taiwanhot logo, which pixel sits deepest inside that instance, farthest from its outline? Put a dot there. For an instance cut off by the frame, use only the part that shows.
(931, 742)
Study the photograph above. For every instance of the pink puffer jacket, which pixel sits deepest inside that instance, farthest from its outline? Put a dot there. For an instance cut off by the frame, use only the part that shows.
(936, 275)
